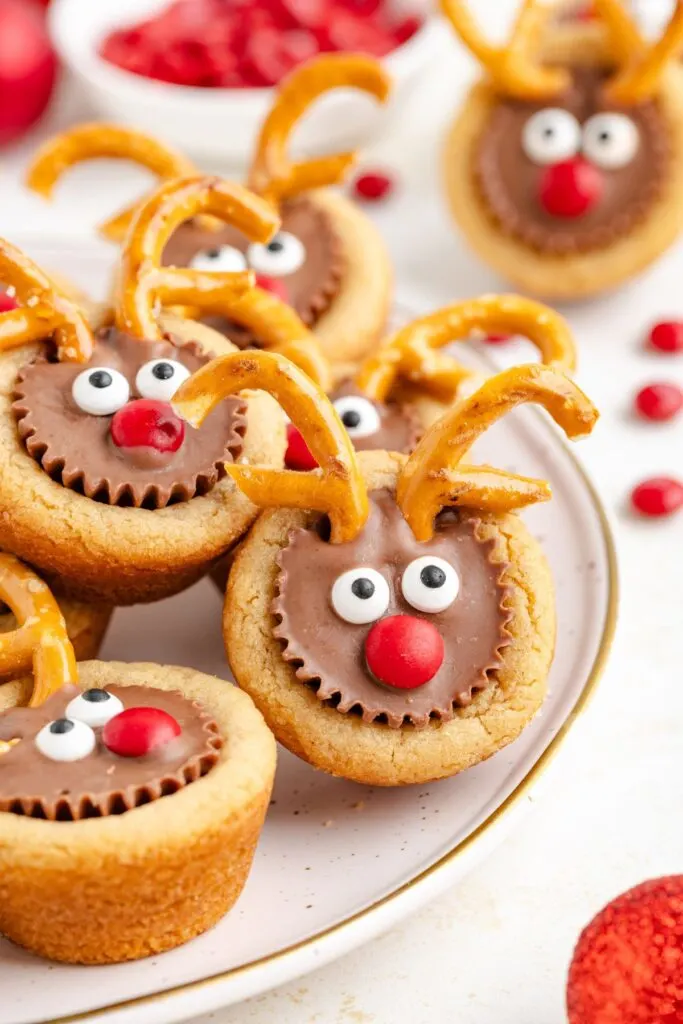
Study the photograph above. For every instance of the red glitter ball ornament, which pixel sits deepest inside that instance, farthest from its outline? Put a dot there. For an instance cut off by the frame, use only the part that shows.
(659, 401)
(628, 963)
(667, 336)
(657, 497)
(373, 186)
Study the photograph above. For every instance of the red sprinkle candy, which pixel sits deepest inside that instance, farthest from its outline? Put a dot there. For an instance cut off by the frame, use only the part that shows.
(667, 336)
(404, 651)
(373, 186)
(135, 732)
(657, 497)
(628, 963)
(659, 401)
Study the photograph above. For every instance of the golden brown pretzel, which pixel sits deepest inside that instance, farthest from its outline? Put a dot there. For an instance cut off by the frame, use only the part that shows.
(337, 488)
(640, 74)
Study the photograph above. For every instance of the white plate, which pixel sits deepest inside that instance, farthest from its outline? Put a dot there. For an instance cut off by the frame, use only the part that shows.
(338, 863)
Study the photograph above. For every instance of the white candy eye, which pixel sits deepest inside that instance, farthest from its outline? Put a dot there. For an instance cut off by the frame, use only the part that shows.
(551, 135)
(610, 140)
(224, 258)
(94, 707)
(65, 740)
(360, 595)
(358, 415)
(160, 379)
(430, 584)
(100, 391)
(283, 255)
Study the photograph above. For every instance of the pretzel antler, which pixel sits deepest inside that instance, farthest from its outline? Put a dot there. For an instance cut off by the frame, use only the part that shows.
(337, 488)
(272, 175)
(41, 635)
(97, 141)
(144, 283)
(639, 78)
(512, 67)
(433, 478)
(411, 353)
(42, 311)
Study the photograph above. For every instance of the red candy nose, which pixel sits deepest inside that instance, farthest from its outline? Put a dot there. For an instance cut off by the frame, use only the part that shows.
(135, 732)
(275, 285)
(7, 302)
(147, 423)
(404, 651)
(571, 188)
(298, 455)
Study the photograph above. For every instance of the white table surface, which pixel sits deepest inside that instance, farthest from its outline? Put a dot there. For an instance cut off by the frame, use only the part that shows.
(495, 949)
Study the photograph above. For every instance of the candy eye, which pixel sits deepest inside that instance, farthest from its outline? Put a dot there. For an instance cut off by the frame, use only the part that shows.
(65, 739)
(360, 595)
(551, 135)
(358, 415)
(224, 258)
(100, 391)
(94, 707)
(283, 255)
(610, 140)
(430, 584)
(160, 379)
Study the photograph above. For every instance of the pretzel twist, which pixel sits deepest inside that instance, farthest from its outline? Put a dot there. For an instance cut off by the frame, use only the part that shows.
(41, 636)
(433, 479)
(42, 312)
(641, 75)
(336, 488)
(272, 174)
(144, 284)
(411, 353)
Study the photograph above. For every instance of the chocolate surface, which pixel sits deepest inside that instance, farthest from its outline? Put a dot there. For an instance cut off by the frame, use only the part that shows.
(509, 181)
(328, 653)
(311, 288)
(399, 430)
(101, 783)
(76, 448)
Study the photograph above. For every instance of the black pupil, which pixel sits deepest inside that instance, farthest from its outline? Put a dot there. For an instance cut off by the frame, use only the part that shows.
(433, 577)
(95, 696)
(213, 254)
(604, 136)
(363, 588)
(100, 379)
(548, 132)
(351, 418)
(62, 725)
(162, 371)
(277, 245)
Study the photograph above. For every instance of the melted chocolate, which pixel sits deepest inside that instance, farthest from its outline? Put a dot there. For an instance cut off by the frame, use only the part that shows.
(101, 783)
(76, 449)
(399, 430)
(311, 289)
(509, 181)
(328, 653)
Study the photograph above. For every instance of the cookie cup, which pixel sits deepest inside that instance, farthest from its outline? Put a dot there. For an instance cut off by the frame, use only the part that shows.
(105, 890)
(374, 753)
(581, 274)
(105, 553)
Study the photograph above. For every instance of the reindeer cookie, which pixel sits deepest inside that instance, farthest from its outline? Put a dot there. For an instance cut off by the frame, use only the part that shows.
(392, 617)
(131, 796)
(111, 496)
(562, 168)
(327, 261)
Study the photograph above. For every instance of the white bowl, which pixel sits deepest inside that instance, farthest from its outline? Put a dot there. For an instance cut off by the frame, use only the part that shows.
(217, 124)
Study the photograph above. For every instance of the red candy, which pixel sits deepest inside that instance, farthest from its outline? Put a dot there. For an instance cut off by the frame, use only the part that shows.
(571, 188)
(7, 302)
(628, 963)
(657, 497)
(659, 401)
(275, 285)
(496, 339)
(298, 455)
(147, 423)
(135, 732)
(667, 336)
(373, 186)
(404, 651)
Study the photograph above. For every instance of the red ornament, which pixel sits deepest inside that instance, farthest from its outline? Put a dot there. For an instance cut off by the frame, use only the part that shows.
(667, 336)
(659, 401)
(147, 423)
(135, 732)
(659, 496)
(571, 188)
(7, 302)
(628, 963)
(28, 67)
(275, 285)
(373, 186)
(404, 651)
(298, 455)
